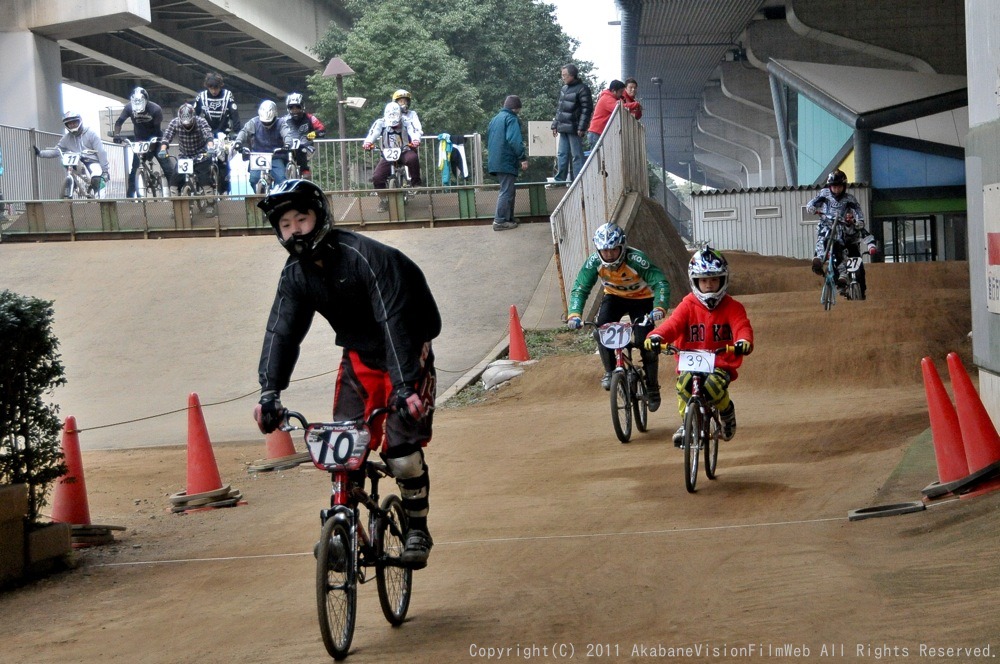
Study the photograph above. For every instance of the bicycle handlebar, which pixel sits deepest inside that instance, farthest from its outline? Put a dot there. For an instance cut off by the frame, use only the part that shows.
(295, 415)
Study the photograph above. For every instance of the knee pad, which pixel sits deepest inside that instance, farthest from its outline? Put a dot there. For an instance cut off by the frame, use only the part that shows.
(407, 467)
(684, 385)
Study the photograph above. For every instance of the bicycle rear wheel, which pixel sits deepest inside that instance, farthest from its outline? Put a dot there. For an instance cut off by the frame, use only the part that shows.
(640, 402)
(712, 446)
(621, 406)
(692, 444)
(395, 582)
(336, 589)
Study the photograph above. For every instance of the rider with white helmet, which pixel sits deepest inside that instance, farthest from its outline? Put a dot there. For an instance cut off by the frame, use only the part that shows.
(265, 133)
(147, 122)
(85, 142)
(707, 319)
(632, 285)
(390, 131)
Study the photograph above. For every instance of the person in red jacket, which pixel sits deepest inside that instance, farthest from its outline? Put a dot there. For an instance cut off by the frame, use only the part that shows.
(629, 100)
(706, 319)
(605, 105)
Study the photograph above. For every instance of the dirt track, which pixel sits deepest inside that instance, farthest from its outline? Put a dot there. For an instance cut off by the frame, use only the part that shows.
(551, 534)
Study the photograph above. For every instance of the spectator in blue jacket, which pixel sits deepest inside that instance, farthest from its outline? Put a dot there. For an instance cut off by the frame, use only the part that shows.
(506, 153)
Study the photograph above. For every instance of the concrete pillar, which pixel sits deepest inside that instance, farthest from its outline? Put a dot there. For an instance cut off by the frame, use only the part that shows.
(30, 78)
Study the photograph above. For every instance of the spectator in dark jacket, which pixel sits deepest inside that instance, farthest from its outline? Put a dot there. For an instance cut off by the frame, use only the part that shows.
(506, 148)
(570, 123)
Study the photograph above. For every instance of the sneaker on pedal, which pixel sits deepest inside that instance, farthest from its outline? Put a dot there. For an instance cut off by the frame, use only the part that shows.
(606, 381)
(417, 549)
(728, 417)
(653, 399)
(679, 436)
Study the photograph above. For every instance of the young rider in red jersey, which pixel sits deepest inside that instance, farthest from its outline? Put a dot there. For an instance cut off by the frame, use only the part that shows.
(706, 319)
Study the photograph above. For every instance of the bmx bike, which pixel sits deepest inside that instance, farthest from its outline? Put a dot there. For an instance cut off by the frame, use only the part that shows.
(77, 181)
(192, 187)
(702, 425)
(347, 550)
(261, 161)
(834, 253)
(149, 181)
(629, 398)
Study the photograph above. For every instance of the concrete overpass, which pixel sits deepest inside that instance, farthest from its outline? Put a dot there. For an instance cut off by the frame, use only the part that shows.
(166, 46)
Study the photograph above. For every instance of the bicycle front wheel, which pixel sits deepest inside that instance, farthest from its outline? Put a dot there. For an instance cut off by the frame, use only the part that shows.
(640, 400)
(854, 291)
(336, 588)
(829, 295)
(621, 406)
(692, 444)
(712, 447)
(395, 582)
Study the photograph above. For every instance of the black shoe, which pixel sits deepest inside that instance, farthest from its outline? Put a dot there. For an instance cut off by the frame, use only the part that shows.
(679, 437)
(417, 549)
(728, 417)
(606, 381)
(653, 399)
(817, 266)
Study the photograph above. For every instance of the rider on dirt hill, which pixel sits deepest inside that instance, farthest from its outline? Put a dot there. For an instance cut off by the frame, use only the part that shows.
(831, 202)
(304, 126)
(632, 285)
(80, 139)
(147, 123)
(265, 133)
(194, 138)
(379, 305)
(392, 130)
(706, 319)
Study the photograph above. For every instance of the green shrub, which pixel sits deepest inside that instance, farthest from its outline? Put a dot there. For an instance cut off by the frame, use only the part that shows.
(30, 450)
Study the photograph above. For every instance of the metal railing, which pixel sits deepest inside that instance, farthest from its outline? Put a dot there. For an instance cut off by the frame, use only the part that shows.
(616, 166)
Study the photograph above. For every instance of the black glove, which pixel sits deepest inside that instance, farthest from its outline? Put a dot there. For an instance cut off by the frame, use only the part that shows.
(117, 139)
(269, 412)
(743, 347)
(37, 151)
(406, 402)
(246, 153)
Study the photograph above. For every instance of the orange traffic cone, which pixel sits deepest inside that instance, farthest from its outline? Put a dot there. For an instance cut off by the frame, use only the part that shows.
(982, 443)
(518, 349)
(948, 447)
(202, 471)
(279, 444)
(69, 500)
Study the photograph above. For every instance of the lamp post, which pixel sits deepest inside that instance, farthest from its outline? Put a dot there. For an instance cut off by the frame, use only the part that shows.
(340, 69)
(658, 82)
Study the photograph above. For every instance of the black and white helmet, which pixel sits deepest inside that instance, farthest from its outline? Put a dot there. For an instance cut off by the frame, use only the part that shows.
(301, 195)
(185, 115)
(708, 262)
(138, 100)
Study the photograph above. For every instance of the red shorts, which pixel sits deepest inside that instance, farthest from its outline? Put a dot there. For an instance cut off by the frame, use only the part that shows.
(362, 387)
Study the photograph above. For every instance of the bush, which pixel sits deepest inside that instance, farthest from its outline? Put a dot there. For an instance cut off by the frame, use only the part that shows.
(30, 451)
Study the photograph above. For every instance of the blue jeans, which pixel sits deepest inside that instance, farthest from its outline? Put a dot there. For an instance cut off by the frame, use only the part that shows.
(569, 144)
(278, 165)
(505, 200)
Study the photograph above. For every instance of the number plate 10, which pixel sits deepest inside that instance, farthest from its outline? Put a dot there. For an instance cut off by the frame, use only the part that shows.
(337, 445)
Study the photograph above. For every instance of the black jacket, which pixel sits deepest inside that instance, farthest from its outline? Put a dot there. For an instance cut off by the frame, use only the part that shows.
(575, 108)
(375, 298)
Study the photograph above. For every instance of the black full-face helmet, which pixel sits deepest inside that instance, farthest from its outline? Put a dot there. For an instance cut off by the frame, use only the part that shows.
(837, 177)
(301, 195)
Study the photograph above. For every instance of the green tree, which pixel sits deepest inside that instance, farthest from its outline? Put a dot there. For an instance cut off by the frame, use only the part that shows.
(459, 60)
(30, 452)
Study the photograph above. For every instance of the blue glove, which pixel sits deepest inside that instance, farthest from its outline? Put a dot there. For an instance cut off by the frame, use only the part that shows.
(743, 347)
(574, 322)
(269, 413)
(658, 314)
